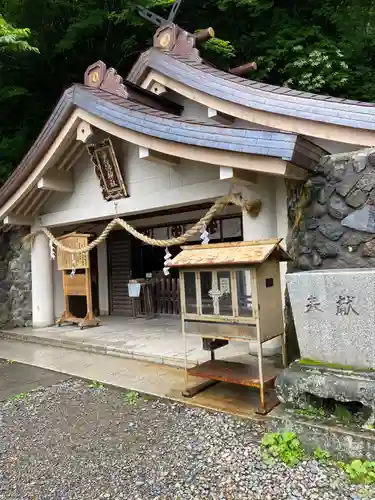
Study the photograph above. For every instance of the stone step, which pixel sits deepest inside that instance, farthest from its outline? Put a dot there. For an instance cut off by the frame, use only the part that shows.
(149, 378)
(109, 350)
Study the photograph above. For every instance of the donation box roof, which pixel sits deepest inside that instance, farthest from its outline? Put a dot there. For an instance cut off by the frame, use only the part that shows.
(230, 254)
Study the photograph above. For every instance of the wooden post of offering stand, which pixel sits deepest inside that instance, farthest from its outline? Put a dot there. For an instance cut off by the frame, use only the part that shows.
(78, 282)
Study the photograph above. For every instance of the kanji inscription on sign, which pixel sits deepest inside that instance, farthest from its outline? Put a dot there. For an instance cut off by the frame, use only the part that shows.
(312, 304)
(107, 169)
(344, 305)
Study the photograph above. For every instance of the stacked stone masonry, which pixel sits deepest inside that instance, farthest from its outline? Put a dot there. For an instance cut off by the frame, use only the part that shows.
(15, 280)
(341, 185)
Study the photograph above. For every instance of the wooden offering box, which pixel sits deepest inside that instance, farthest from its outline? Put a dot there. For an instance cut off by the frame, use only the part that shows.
(77, 283)
(232, 292)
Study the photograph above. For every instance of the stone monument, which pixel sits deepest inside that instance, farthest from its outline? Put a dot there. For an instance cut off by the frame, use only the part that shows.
(331, 287)
(334, 315)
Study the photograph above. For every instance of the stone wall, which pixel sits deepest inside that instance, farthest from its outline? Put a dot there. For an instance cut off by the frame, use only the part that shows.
(15, 280)
(332, 216)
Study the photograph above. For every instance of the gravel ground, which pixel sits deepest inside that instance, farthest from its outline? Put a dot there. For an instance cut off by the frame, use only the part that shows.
(70, 441)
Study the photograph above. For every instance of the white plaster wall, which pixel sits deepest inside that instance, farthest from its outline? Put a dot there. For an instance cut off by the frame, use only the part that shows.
(196, 111)
(272, 222)
(192, 110)
(144, 177)
(264, 225)
(150, 186)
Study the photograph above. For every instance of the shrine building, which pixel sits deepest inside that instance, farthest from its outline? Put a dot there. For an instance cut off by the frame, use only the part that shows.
(157, 148)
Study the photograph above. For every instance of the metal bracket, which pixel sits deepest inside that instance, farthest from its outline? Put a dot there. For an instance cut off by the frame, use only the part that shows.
(174, 10)
(150, 16)
(158, 20)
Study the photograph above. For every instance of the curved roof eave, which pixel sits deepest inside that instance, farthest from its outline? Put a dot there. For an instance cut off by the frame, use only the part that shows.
(150, 122)
(256, 95)
(49, 132)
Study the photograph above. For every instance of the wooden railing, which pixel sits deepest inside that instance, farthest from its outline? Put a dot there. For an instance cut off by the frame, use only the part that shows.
(166, 296)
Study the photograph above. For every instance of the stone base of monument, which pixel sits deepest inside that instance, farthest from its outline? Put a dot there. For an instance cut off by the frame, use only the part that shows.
(330, 407)
(342, 442)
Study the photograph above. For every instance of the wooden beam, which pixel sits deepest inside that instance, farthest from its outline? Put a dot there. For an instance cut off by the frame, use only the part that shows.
(156, 88)
(84, 132)
(71, 156)
(22, 207)
(238, 176)
(18, 220)
(35, 200)
(294, 172)
(61, 182)
(42, 200)
(219, 117)
(155, 156)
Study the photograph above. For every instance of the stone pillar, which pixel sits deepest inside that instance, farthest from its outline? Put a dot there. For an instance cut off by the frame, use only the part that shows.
(42, 283)
(103, 279)
(264, 226)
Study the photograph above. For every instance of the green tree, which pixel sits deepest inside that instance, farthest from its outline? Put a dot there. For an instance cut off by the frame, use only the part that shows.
(325, 46)
(14, 39)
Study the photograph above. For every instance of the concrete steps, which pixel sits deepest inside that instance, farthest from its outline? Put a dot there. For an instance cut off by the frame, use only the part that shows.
(92, 347)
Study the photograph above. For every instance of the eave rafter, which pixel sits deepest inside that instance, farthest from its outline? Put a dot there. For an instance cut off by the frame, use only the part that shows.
(57, 178)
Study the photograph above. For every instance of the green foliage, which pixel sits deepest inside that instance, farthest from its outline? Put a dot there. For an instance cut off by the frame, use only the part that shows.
(283, 446)
(17, 397)
(96, 385)
(222, 47)
(322, 456)
(315, 45)
(313, 362)
(359, 471)
(313, 412)
(131, 397)
(287, 448)
(14, 39)
(343, 414)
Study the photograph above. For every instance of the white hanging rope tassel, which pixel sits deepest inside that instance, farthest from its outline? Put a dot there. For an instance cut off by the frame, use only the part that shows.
(205, 235)
(167, 258)
(52, 252)
(73, 271)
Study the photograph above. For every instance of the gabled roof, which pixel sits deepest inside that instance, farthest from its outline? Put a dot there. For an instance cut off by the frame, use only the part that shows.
(229, 254)
(128, 111)
(200, 75)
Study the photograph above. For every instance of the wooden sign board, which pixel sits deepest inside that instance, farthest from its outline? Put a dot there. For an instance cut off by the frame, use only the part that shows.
(66, 260)
(107, 169)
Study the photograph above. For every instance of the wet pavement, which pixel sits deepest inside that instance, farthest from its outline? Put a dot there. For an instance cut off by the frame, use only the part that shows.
(16, 378)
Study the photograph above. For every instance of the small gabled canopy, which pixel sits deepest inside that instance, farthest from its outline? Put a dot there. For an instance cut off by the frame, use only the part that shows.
(230, 254)
(253, 94)
(177, 66)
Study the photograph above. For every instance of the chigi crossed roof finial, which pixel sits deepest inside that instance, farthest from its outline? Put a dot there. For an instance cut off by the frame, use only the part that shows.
(158, 20)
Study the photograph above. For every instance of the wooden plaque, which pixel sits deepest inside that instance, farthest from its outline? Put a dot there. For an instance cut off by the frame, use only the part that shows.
(66, 260)
(107, 169)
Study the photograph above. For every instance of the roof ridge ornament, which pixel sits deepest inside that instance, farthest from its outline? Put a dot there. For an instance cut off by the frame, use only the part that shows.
(98, 76)
(173, 39)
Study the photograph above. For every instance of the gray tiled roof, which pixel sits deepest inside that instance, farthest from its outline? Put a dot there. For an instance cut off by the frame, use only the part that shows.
(257, 95)
(154, 122)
